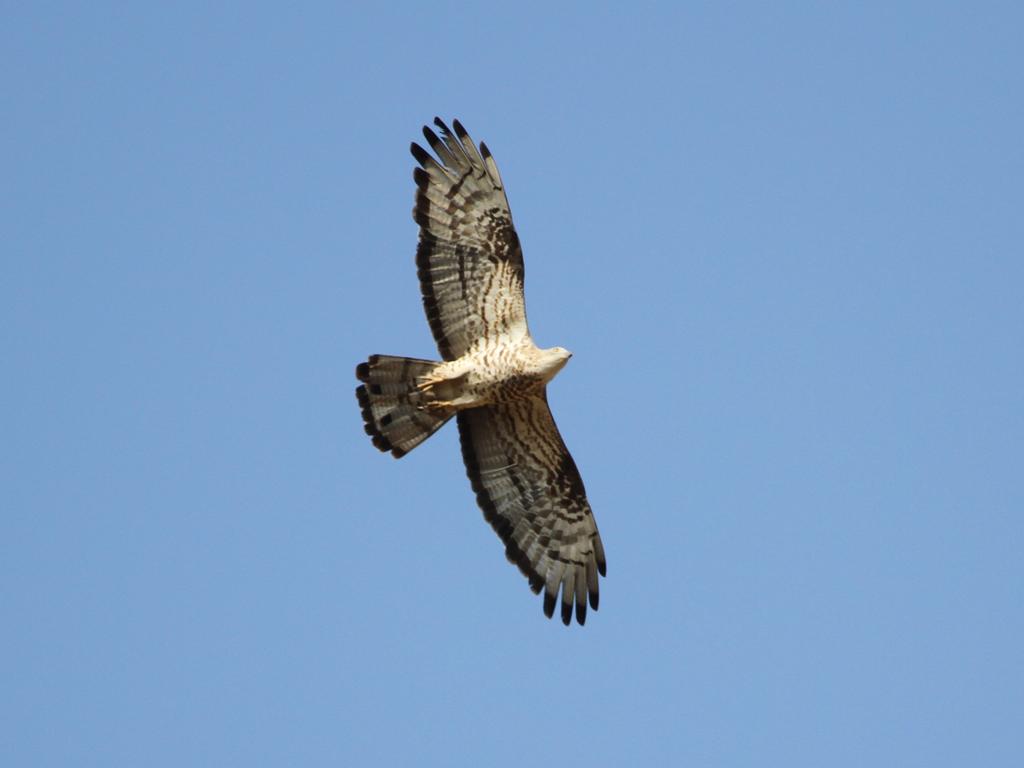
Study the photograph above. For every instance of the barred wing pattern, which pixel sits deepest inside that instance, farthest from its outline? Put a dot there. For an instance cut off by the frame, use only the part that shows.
(469, 258)
(532, 495)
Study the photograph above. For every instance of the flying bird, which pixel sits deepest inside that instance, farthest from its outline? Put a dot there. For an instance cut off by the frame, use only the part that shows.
(493, 378)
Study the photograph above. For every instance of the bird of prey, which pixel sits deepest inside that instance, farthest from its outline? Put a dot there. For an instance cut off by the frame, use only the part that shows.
(493, 378)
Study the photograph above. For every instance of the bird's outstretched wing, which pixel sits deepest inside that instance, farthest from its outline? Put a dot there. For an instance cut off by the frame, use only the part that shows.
(469, 259)
(531, 493)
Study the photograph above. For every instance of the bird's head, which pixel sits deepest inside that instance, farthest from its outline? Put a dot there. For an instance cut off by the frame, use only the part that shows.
(553, 360)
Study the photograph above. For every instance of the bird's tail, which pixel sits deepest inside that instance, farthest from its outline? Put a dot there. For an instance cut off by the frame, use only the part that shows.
(394, 407)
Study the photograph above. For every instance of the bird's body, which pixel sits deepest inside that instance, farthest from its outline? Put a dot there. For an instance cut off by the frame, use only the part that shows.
(493, 377)
(493, 373)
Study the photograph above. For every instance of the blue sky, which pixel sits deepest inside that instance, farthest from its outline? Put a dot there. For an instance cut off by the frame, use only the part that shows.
(785, 244)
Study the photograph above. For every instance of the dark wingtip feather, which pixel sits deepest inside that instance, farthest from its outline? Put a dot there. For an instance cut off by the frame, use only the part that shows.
(526, 567)
(581, 613)
(595, 599)
(484, 150)
(421, 155)
(421, 177)
(549, 604)
(513, 553)
(431, 137)
(363, 372)
(566, 613)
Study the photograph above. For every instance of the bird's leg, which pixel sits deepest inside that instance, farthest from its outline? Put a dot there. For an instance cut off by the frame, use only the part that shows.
(431, 386)
(440, 390)
(428, 383)
(439, 405)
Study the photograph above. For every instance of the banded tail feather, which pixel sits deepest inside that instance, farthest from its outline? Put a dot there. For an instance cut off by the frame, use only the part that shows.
(393, 406)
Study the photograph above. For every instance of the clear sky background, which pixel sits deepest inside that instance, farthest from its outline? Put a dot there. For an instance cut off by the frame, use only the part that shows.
(786, 245)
